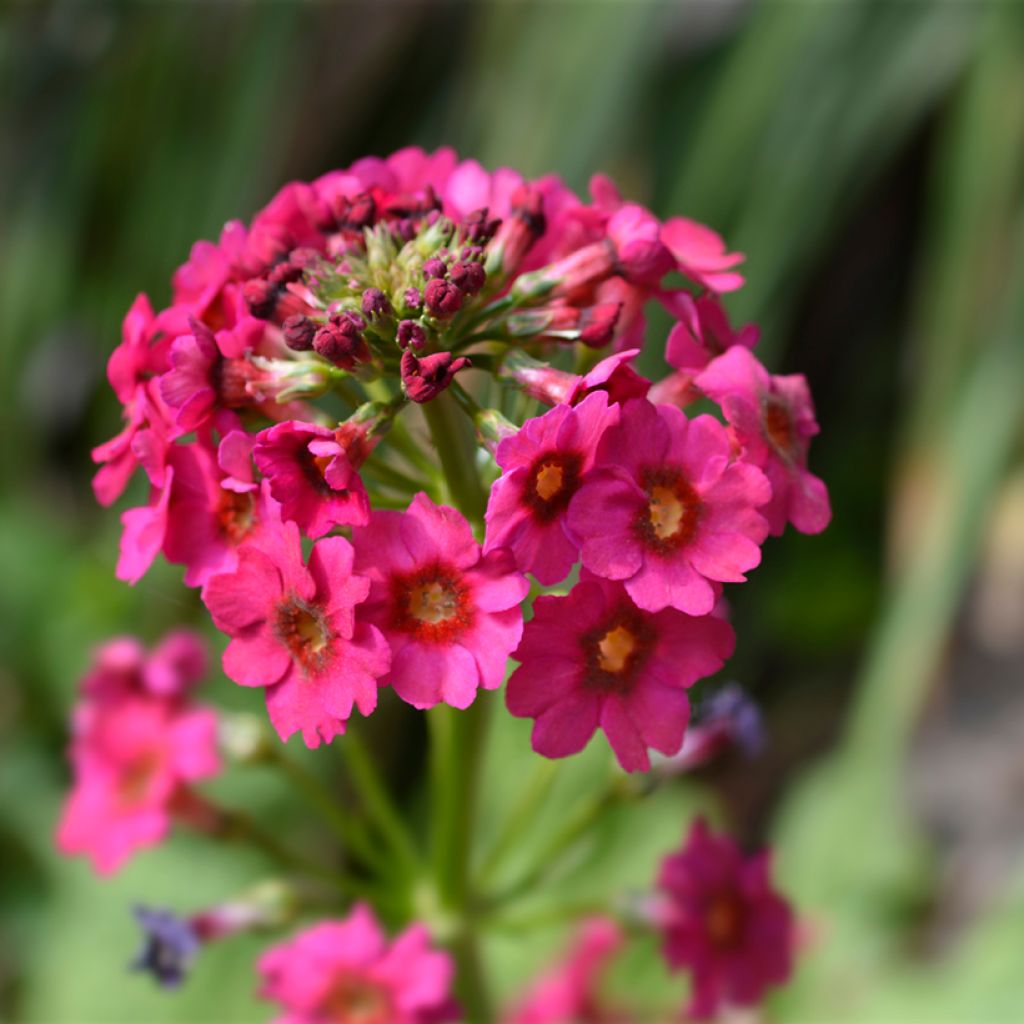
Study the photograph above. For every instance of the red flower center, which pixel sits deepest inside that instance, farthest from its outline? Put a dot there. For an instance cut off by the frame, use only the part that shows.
(301, 627)
(433, 604)
(356, 1000)
(779, 427)
(668, 519)
(615, 651)
(553, 480)
(138, 775)
(723, 921)
(236, 515)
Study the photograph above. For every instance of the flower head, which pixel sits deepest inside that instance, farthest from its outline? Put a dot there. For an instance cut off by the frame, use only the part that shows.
(122, 667)
(593, 659)
(570, 990)
(723, 921)
(450, 613)
(543, 466)
(132, 758)
(346, 971)
(773, 421)
(668, 511)
(294, 632)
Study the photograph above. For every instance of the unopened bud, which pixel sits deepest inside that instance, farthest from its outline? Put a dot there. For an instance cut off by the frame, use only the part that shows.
(298, 333)
(442, 298)
(424, 379)
(411, 334)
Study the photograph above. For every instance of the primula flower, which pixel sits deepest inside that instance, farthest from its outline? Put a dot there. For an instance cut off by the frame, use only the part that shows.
(346, 971)
(667, 511)
(773, 422)
(593, 659)
(122, 667)
(133, 759)
(450, 613)
(613, 375)
(700, 254)
(311, 476)
(723, 922)
(543, 466)
(703, 331)
(294, 632)
(570, 992)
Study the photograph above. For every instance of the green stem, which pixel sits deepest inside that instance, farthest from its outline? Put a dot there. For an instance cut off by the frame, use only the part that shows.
(455, 440)
(377, 801)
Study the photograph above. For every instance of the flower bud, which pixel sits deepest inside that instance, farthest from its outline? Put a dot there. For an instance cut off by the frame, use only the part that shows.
(515, 236)
(298, 333)
(375, 303)
(442, 298)
(424, 379)
(468, 276)
(411, 334)
(434, 268)
(340, 340)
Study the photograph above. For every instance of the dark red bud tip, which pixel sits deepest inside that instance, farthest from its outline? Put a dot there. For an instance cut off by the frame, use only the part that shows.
(284, 273)
(341, 342)
(261, 297)
(424, 379)
(413, 298)
(478, 228)
(434, 268)
(528, 207)
(469, 277)
(411, 334)
(375, 303)
(597, 324)
(356, 213)
(299, 332)
(442, 298)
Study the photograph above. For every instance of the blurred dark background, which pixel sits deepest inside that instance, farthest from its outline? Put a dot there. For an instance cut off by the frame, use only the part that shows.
(869, 160)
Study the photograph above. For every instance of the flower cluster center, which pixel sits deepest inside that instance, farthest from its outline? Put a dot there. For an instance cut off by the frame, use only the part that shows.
(354, 1000)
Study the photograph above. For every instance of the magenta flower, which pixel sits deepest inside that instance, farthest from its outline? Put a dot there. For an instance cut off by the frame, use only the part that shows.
(612, 374)
(703, 331)
(773, 422)
(593, 659)
(723, 922)
(132, 760)
(311, 476)
(700, 254)
(123, 668)
(347, 971)
(667, 511)
(543, 465)
(569, 992)
(294, 632)
(450, 613)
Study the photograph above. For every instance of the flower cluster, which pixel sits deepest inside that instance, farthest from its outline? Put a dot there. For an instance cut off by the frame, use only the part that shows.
(392, 277)
(279, 411)
(138, 743)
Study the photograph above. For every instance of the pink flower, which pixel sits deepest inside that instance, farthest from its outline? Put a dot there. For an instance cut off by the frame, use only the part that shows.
(703, 331)
(294, 632)
(569, 992)
(122, 667)
(724, 922)
(450, 614)
(311, 476)
(667, 511)
(132, 759)
(700, 254)
(613, 375)
(543, 466)
(773, 422)
(347, 971)
(594, 659)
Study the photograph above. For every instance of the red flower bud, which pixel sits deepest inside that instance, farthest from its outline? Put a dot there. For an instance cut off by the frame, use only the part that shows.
(442, 298)
(424, 379)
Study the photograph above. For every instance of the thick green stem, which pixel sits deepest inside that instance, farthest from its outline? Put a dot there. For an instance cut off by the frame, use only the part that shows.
(455, 440)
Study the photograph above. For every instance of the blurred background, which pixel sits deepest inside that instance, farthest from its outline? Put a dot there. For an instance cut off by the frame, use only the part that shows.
(868, 158)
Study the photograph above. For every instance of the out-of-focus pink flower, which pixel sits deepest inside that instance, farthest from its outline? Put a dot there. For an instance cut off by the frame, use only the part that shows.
(122, 667)
(570, 992)
(593, 659)
(703, 331)
(543, 466)
(773, 421)
(294, 632)
(667, 511)
(347, 971)
(700, 254)
(311, 476)
(724, 923)
(450, 614)
(132, 758)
